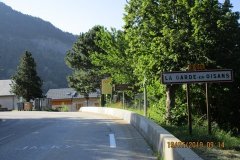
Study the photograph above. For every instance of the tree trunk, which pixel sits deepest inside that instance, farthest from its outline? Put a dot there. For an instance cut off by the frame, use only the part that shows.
(170, 101)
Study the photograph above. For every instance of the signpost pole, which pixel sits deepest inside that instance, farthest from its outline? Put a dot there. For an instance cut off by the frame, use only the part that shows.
(208, 111)
(189, 112)
(106, 99)
(110, 101)
(123, 100)
(145, 97)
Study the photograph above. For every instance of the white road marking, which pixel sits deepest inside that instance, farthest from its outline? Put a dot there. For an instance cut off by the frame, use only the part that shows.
(7, 137)
(112, 141)
(25, 147)
(53, 147)
(67, 146)
(33, 147)
(46, 147)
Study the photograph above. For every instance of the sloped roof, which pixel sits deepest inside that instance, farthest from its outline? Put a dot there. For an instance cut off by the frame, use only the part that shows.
(67, 93)
(5, 88)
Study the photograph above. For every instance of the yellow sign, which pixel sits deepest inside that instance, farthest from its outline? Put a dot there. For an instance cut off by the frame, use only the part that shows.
(196, 67)
(107, 86)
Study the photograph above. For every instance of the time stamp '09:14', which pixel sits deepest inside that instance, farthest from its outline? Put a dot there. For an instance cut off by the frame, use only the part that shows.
(195, 144)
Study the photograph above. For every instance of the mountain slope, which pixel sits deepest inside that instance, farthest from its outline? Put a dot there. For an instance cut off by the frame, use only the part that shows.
(48, 44)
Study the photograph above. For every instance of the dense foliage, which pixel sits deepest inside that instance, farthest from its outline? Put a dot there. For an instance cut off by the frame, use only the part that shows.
(84, 78)
(112, 58)
(168, 35)
(26, 82)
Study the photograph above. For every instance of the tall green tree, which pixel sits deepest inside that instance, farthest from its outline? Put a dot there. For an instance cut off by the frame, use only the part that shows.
(167, 35)
(26, 82)
(84, 78)
(216, 36)
(159, 34)
(113, 60)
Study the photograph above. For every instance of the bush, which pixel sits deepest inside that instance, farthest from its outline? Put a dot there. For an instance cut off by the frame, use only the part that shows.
(157, 111)
(64, 108)
(179, 115)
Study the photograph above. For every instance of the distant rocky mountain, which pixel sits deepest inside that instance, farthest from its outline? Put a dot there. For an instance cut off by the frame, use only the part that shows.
(48, 44)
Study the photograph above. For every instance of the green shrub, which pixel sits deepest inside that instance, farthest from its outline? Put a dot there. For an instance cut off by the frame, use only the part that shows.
(157, 113)
(64, 108)
(179, 115)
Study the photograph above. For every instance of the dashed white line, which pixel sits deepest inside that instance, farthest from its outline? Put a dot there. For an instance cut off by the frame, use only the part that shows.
(6, 137)
(25, 147)
(112, 141)
(33, 147)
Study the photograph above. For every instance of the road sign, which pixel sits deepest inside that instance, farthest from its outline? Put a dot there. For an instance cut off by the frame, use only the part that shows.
(107, 86)
(204, 76)
(122, 87)
(195, 67)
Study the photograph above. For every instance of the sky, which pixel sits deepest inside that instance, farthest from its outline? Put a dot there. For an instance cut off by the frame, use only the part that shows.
(76, 16)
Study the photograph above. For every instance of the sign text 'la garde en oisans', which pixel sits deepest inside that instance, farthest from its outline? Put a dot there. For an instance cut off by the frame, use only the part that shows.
(204, 76)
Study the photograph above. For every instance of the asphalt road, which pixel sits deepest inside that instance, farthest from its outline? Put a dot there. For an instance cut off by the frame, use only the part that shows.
(68, 136)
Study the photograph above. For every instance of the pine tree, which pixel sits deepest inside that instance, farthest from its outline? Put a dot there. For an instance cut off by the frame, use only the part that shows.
(84, 78)
(26, 82)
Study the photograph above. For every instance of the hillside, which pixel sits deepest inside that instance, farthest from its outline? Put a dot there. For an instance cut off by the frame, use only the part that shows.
(48, 44)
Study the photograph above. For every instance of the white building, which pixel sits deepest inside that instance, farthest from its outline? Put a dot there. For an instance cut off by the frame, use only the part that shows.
(7, 99)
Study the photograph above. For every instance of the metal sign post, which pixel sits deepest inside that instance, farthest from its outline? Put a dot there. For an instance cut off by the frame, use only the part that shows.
(189, 111)
(123, 100)
(208, 111)
(145, 97)
(122, 88)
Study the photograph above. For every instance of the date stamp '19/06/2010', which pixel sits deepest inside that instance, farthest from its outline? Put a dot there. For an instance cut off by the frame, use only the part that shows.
(196, 144)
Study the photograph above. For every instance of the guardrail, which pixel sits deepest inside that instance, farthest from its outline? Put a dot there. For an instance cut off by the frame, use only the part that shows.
(168, 146)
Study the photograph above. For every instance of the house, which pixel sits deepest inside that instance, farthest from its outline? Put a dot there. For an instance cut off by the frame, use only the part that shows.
(70, 98)
(7, 98)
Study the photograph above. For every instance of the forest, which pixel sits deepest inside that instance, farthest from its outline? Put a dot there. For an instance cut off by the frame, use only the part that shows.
(48, 44)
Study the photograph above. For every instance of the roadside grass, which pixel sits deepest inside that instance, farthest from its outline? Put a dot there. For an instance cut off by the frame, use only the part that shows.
(222, 145)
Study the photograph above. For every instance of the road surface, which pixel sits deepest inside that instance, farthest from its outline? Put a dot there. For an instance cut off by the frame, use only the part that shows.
(68, 136)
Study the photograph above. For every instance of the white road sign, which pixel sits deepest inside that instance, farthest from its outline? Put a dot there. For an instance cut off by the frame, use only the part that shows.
(225, 75)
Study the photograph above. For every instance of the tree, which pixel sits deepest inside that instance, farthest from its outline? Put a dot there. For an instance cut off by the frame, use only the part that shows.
(85, 78)
(26, 82)
(159, 35)
(167, 35)
(216, 36)
(113, 59)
